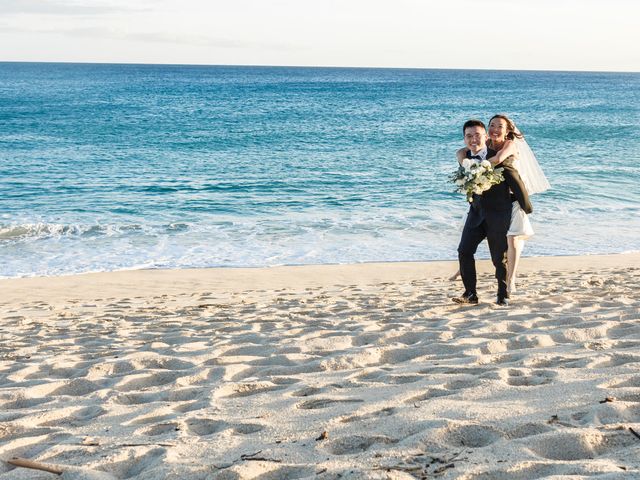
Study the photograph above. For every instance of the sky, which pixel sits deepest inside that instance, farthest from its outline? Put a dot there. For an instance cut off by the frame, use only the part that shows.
(593, 35)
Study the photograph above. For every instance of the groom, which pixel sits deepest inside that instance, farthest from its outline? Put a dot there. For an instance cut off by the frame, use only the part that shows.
(489, 217)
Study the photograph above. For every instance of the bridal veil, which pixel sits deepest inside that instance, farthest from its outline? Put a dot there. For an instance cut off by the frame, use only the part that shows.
(529, 169)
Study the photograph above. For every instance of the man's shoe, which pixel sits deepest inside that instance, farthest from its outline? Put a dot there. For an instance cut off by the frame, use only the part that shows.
(466, 299)
(502, 301)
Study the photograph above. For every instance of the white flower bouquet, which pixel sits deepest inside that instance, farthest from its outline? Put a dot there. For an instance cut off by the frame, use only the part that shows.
(475, 176)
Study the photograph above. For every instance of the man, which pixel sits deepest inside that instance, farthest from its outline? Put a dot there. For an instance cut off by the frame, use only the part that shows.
(489, 217)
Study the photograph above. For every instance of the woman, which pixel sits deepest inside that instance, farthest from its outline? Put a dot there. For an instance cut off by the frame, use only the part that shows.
(507, 141)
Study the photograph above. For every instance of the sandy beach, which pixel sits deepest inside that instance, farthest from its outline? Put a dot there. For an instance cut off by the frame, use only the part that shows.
(339, 371)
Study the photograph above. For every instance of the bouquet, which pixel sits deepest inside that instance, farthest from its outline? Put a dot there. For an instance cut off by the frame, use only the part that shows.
(475, 176)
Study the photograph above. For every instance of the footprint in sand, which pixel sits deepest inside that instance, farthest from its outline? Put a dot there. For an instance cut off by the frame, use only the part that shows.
(462, 384)
(249, 351)
(385, 412)
(528, 430)
(110, 369)
(147, 419)
(11, 432)
(609, 413)
(630, 382)
(89, 413)
(523, 378)
(26, 447)
(247, 428)
(285, 381)
(20, 401)
(194, 406)
(616, 360)
(142, 381)
(530, 341)
(468, 435)
(505, 358)
(288, 472)
(625, 328)
(265, 471)
(183, 394)
(357, 444)
(6, 417)
(161, 363)
(581, 445)
(364, 339)
(160, 429)
(520, 472)
(77, 388)
(70, 416)
(136, 398)
(206, 426)
(558, 362)
(429, 394)
(381, 376)
(130, 463)
(247, 389)
(307, 392)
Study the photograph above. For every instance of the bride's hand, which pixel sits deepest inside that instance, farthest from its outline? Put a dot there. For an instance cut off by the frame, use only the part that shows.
(495, 160)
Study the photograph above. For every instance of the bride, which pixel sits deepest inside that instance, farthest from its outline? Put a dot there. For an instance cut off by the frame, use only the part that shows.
(507, 141)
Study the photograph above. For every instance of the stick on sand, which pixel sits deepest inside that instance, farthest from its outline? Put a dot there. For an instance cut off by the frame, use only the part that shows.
(23, 462)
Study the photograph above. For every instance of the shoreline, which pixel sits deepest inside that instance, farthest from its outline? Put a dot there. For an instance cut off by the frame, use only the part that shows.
(230, 280)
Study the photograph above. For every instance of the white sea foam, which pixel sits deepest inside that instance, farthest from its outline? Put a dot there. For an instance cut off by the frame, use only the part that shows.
(299, 238)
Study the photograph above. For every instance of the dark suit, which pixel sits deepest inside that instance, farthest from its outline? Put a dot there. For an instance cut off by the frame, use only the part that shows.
(489, 217)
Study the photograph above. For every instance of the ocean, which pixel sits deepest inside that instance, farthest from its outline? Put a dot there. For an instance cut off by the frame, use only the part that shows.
(108, 167)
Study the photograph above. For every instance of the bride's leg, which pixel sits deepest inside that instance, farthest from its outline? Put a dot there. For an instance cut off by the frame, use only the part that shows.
(515, 245)
(455, 276)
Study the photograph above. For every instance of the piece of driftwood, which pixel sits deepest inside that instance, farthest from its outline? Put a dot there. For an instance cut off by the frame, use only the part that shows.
(88, 474)
(23, 462)
(635, 434)
(255, 458)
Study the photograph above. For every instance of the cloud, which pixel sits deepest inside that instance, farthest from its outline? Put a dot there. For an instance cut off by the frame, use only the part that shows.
(56, 7)
(146, 37)
(160, 37)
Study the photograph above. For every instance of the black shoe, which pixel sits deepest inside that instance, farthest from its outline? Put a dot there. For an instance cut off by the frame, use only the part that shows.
(502, 301)
(466, 299)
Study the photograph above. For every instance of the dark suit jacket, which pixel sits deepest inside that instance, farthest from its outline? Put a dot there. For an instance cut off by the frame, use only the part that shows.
(497, 201)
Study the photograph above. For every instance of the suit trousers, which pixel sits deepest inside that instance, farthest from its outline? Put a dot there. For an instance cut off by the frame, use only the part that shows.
(493, 227)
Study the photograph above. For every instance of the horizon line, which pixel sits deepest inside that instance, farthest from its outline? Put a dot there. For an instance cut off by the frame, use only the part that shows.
(313, 66)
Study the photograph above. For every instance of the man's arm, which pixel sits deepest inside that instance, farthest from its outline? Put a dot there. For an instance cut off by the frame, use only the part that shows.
(512, 177)
(461, 154)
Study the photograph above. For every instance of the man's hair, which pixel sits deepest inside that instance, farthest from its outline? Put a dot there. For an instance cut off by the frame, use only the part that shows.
(473, 123)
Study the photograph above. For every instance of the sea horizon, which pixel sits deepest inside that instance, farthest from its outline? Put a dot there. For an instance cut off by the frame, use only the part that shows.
(337, 67)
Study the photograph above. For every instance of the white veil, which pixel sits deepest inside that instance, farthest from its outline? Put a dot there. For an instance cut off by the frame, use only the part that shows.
(529, 169)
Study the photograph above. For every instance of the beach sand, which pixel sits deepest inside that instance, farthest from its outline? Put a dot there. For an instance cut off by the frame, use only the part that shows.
(353, 372)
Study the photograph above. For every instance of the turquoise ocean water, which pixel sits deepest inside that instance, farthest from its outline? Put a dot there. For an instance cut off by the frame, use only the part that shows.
(109, 167)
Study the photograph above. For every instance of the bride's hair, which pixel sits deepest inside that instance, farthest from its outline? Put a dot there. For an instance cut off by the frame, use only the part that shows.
(512, 130)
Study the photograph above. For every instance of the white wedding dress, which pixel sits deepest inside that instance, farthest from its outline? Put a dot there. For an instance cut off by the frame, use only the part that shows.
(520, 225)
(535, 182)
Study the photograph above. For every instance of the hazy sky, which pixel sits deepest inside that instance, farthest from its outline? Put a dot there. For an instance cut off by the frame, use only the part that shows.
(501, 34)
